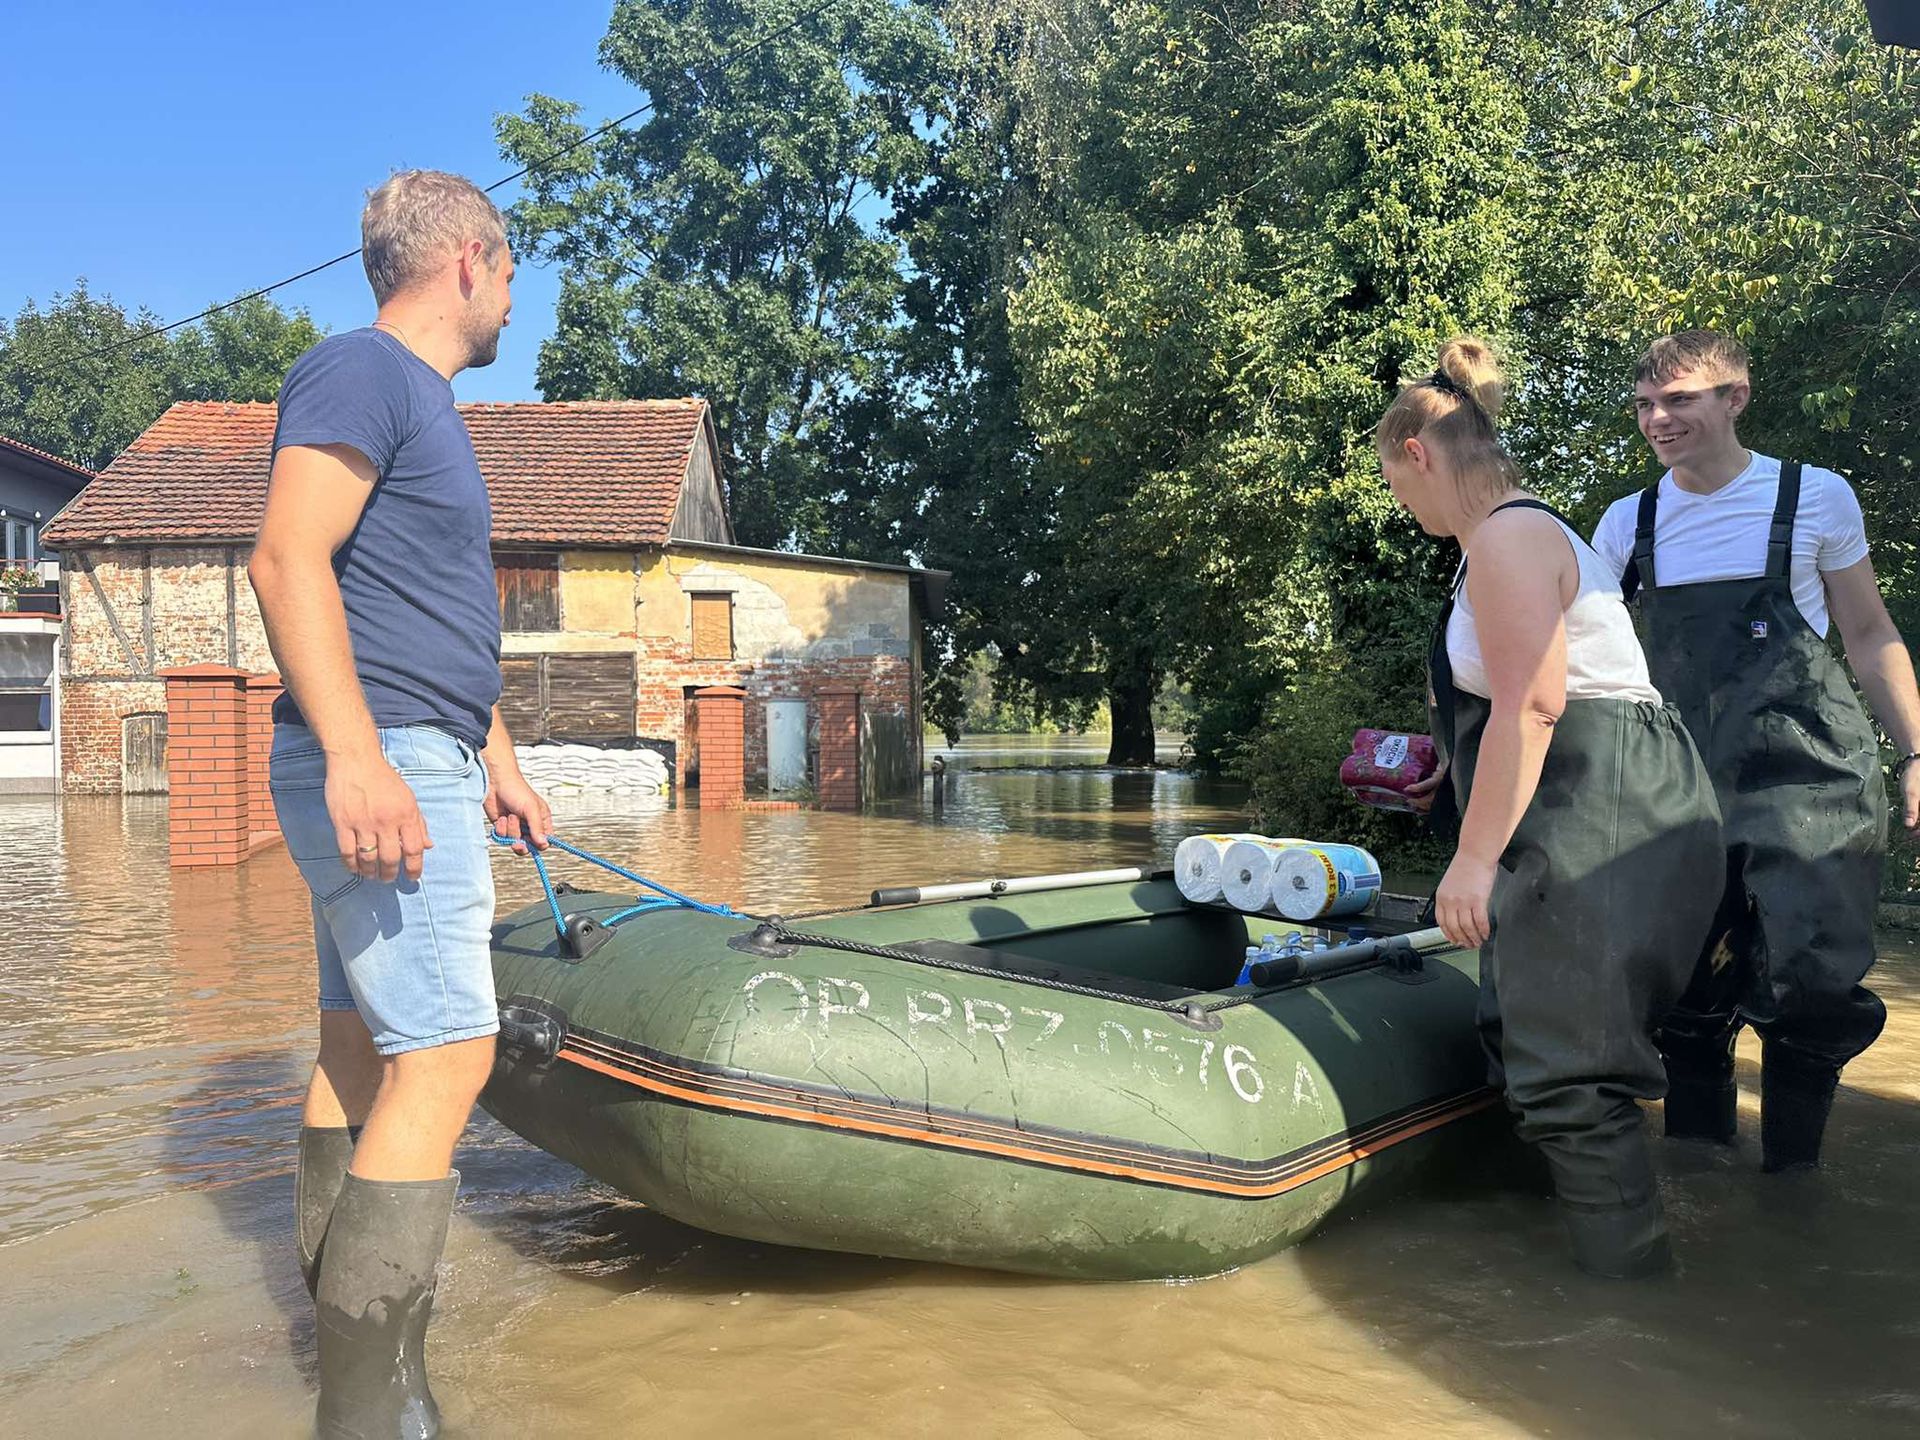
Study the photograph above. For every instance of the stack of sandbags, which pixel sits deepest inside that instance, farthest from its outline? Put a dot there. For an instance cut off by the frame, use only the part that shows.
(555, 769)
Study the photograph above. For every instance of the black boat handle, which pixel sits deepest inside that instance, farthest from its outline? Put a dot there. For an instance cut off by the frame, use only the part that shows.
(1396, 952)
(533, 1035)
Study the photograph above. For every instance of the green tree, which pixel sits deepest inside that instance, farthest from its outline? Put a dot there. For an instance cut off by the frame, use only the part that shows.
(735, 244)
(57, 395)
(1270, 215)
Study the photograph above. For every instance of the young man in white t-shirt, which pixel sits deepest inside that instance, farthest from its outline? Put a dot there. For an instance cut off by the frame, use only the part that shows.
(1738, 563)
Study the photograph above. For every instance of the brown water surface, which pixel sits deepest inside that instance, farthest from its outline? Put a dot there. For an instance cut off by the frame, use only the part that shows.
(156, 1028)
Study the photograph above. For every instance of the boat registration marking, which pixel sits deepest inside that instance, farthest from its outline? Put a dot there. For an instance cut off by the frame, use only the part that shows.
(813, 1006)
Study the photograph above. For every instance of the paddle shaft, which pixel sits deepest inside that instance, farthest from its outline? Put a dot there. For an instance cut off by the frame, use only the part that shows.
(1344, 959)
(993, 889)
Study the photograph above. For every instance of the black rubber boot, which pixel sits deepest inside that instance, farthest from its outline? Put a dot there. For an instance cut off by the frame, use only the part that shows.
(374, 1302)
(1702, 1100)
(325, 1152)
(1619, 1242)
(1796, 1095)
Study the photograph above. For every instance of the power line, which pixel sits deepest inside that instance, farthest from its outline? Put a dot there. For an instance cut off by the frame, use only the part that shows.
(724, 63)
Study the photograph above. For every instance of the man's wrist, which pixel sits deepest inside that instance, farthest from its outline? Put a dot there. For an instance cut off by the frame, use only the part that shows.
(1904, 763)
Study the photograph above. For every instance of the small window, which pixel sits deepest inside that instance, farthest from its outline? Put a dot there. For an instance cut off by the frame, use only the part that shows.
(713, 626)
(26, 711)
(529, 584)
(20, 539)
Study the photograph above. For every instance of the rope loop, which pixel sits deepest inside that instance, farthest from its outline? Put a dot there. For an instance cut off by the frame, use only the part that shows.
(668, 899)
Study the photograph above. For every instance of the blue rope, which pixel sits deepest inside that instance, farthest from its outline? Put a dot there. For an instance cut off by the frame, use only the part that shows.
(671, 899)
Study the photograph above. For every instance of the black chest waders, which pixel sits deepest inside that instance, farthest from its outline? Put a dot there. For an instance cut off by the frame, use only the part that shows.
(1796, 768)
(1599, 907)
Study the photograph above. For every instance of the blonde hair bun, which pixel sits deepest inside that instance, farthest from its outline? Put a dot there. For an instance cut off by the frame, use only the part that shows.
(1469, 363)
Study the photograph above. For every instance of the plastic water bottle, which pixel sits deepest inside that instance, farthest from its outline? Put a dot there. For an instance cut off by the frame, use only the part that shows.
(1270, 948)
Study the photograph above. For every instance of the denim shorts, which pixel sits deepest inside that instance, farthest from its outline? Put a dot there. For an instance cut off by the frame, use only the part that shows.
(414, 957)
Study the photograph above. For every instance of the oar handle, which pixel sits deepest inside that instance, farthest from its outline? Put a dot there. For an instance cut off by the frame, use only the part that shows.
(1399, 951)
(1013, 885)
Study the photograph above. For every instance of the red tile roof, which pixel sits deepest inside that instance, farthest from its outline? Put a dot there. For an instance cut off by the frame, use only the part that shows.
(577, 472)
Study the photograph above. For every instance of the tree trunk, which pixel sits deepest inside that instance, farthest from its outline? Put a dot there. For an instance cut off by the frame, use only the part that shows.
(1130, 698)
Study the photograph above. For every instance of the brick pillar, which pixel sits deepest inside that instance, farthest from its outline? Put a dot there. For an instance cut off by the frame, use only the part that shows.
(723, 746)
(207, 721)
(264, 823)
(839, 748)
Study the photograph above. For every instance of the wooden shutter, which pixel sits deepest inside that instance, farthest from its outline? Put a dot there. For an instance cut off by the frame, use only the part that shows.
(590, 697)
(713, 626)
(529, 586)
(522, 703)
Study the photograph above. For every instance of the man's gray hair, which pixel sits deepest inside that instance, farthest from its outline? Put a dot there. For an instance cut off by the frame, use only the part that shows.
(414, 223)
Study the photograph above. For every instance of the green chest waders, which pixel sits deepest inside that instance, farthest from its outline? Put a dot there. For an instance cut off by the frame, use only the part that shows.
(1599, 908)
(1796, 767)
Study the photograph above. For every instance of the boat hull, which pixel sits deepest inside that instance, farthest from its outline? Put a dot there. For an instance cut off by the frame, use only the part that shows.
(936, 1108)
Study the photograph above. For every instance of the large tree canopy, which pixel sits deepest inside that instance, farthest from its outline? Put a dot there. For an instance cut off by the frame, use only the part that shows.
(735, 244)
(89, 409)
(1095, 302)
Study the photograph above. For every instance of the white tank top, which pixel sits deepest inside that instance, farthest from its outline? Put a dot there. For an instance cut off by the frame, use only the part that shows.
(1604, 658)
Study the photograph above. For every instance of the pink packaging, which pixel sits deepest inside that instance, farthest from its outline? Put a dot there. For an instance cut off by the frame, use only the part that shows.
(1383, 764)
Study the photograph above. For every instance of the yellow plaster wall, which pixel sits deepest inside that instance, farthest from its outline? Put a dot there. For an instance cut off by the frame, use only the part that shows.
(597, 592)
(782, 609)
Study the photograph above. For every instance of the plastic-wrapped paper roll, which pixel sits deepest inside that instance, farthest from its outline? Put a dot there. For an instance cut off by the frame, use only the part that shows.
(1313, 882)
(1198, 866)
(1246, 872)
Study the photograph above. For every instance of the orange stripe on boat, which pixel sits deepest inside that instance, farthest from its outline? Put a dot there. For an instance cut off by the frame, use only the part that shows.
(624, 1065)
(894, 1131)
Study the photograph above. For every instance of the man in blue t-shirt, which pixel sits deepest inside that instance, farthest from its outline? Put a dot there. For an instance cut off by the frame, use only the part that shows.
(374, 573)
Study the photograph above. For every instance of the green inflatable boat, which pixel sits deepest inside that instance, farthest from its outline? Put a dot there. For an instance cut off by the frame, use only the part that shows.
(1066, 1081)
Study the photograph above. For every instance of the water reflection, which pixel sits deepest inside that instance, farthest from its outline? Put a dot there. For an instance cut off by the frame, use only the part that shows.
(155, 1027)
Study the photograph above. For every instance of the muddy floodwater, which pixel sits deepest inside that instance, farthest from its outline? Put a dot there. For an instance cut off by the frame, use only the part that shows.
(155, 1033)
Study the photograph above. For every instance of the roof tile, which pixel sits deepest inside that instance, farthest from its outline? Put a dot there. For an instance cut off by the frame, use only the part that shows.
(576, 472)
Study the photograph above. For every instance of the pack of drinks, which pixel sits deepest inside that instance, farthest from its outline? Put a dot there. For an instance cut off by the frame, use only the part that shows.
(1260, 875)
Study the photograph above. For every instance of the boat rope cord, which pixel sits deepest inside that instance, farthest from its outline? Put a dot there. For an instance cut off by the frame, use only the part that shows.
(580, 934)
(1364, 955)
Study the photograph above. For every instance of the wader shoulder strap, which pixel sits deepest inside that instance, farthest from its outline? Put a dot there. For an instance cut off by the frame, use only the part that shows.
(1640, 568)
(1785, 509)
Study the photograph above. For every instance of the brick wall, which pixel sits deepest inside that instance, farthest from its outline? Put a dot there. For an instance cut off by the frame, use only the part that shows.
(722, 778)
(209, 820)
(91, 716)
(172, 606)
(885, 682)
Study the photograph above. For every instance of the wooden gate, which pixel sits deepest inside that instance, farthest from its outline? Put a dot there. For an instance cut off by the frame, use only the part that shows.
(143, 755)
(584, 697)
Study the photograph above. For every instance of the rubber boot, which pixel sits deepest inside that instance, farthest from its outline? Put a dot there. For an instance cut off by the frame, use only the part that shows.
(1619, 1242)
(1796, 1095)
(1610, 1203)
(374, 1302)
(325, 1152)
(1702, 1100)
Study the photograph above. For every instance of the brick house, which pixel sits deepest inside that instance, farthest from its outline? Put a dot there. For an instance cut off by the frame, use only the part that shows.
(621, 593)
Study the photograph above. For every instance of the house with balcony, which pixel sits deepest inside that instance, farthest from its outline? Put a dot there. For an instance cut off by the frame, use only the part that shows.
(34, 486)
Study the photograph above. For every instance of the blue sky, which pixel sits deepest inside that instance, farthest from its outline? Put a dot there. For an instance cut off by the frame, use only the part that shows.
(176, 156)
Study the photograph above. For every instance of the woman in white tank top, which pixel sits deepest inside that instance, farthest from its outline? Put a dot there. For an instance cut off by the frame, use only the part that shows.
(1588, 866)
(1604, 658)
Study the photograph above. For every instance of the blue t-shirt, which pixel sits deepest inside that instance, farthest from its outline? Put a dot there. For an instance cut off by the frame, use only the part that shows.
(416, 575)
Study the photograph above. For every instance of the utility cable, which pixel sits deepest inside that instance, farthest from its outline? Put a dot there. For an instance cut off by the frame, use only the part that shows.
(718, 67)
